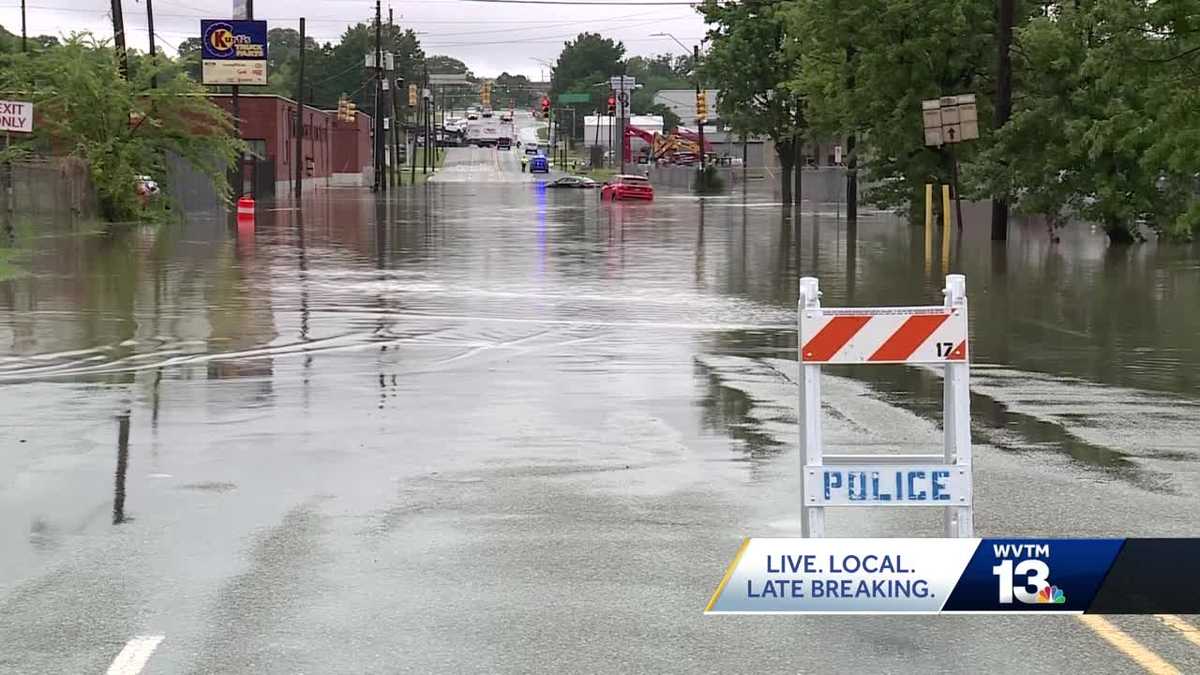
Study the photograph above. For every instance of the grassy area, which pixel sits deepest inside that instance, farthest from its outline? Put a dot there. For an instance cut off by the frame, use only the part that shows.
(436, 155)
(10, 267)
(543, 133)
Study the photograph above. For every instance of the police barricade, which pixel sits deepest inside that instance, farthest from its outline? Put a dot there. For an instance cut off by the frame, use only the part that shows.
(887, 335)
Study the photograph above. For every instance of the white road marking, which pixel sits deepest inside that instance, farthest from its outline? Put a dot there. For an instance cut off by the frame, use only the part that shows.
(134, 656)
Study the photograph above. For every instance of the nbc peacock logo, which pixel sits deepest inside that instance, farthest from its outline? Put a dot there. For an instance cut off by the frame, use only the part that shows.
(1051, 594)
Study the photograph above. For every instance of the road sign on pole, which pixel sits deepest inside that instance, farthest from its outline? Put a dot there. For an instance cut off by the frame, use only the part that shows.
(233, 52)
(573, 97)
(950, 119)
(16, 116)
(896, 335)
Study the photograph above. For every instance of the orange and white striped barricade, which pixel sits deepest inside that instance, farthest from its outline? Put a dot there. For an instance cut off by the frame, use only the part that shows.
(887, 335)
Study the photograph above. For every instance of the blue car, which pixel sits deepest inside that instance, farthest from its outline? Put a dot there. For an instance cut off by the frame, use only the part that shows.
(539, 164)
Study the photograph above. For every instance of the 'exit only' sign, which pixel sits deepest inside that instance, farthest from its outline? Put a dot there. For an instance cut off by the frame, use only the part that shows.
(16, 116)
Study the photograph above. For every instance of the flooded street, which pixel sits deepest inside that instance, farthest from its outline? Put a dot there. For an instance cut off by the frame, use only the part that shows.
(487, 426)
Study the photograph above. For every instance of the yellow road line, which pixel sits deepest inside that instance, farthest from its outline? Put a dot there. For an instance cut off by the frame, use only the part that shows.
(1148, 660)
(1187, 630)
(728, 573)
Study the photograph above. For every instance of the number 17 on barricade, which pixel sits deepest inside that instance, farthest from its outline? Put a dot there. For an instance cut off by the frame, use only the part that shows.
(887, 335)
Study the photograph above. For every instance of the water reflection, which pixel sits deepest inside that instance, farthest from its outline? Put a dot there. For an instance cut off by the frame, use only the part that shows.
(219, 304)
(118, 509)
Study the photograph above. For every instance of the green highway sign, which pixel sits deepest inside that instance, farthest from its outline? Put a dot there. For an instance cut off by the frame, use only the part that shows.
(564, 99)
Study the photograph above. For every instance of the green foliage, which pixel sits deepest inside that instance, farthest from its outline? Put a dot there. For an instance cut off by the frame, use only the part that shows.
(121, 129)
(749, 62)
(671, 121)
(864, 68)
(1106, 114)
(1105, 123)
(332, 71)
(654, 74)
(584, 62)
(516, 90)
(708, 181)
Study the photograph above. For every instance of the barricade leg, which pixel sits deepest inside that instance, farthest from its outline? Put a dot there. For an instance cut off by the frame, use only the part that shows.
(956, 417)
(812, 518)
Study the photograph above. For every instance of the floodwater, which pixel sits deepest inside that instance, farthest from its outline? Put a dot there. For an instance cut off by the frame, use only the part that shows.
(499, 427)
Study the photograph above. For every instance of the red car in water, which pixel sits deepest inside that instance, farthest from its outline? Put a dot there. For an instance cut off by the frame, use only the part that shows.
(627, 187)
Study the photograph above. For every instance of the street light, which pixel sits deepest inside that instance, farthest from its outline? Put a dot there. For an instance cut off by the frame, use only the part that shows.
(544, 63)
(700, 100)
(685, 47)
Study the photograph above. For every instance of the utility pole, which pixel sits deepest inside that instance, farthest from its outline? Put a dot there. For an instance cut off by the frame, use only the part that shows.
(238, 175)
(24, 43)
(378, 98)
(150, 29)
(699, 119)
(851, 154)
(427, 106)
(1003, 106)
(412, 161)
(119, 37)
(300, 120)
(396, 92)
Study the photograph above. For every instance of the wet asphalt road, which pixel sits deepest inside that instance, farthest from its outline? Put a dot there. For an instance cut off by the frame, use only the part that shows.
(488, 427)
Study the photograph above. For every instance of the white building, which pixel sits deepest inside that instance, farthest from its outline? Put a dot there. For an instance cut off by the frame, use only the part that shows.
(599, 129)
(682, 102)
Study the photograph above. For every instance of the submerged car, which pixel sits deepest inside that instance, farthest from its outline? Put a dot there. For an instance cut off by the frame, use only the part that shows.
(531, 148)
(627, 187)
(573, 182)
(539, 164)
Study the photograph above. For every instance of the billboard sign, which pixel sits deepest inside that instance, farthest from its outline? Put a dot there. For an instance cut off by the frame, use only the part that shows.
(233, 52)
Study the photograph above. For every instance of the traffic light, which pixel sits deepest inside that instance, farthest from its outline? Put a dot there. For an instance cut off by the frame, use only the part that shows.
(412, 95)
(347, 111)
(612, 105)
(545, 107)
(702, 105)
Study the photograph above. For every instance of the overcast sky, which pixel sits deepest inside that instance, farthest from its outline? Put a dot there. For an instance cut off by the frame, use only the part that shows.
(490, 38)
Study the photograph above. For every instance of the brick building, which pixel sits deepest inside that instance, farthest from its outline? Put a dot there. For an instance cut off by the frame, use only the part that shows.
(333, 152)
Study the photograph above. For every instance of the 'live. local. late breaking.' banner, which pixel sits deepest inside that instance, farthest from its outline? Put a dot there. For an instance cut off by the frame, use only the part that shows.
(931, 576)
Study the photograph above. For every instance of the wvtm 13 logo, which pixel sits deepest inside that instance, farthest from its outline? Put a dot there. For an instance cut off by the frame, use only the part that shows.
(1022, 575)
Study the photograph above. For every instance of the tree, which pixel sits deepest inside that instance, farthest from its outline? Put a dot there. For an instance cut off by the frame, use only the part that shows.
(584, 62)
(656, 73)
(11, 43)
(749, 63)
(671, 121)
(121, 128)
(866, 66)
(514, 90)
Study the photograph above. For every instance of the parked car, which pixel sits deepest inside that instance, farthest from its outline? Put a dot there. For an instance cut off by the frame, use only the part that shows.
(573, 182)
(627, 187)
(539, 164)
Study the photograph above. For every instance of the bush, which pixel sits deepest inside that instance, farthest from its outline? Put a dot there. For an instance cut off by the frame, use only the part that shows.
(122, 129)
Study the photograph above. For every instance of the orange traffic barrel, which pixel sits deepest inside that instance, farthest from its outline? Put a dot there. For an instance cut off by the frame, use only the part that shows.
(245, 211)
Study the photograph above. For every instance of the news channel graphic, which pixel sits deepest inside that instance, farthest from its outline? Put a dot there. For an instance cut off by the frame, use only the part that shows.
(947, 576)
